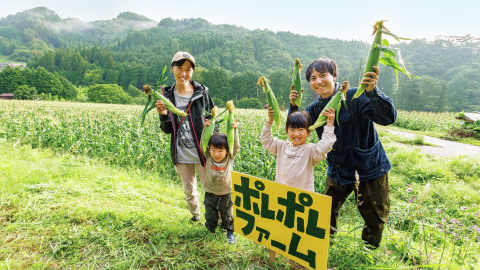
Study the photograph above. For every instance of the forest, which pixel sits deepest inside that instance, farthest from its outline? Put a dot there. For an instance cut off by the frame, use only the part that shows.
(131, 50)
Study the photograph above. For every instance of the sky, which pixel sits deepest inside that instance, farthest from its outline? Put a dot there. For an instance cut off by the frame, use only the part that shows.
(341, 19)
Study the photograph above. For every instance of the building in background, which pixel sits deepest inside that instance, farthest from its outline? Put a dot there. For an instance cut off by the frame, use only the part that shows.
(6, 96)
(3, 65)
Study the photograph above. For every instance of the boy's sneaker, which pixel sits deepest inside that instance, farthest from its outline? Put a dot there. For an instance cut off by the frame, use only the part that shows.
(230, 238)
(195, 219)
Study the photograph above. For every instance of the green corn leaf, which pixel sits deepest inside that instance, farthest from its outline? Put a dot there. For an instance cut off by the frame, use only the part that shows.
(221, 121)
(163, 72)
(207, 113)
(222, 112)
(146, 112)
(394, 36)
(385, 42)
(396, 75)
(393, 52)
(148, 102)
(390, 62)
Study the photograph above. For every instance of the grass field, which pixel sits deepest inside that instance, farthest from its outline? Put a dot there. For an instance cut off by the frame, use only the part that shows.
(431, 124)
(82, 186)
(6, 59)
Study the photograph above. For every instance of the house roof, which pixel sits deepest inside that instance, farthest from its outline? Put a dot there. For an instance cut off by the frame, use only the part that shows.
(6, 95)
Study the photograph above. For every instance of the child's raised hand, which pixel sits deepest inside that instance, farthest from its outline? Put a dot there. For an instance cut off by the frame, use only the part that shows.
(235, 124)
(270, 115)
(330, 114)
(207, 122)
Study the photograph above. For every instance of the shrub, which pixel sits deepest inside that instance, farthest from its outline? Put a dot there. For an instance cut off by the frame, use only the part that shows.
(218, 102)
(249, 103)
(108, 93)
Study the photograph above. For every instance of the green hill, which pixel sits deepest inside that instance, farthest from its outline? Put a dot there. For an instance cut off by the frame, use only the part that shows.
(132, 50)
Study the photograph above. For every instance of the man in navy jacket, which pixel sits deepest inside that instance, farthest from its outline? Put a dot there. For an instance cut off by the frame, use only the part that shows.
(357, 149)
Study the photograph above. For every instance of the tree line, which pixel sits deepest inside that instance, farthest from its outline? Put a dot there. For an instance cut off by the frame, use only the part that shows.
(230, 59)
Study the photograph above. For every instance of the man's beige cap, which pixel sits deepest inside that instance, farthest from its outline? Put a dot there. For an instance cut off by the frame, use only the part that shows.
(183, 55)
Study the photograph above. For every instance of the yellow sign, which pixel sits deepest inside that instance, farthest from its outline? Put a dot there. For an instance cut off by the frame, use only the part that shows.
(290, 221)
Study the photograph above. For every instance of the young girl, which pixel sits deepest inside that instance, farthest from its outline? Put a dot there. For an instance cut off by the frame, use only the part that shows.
(296, 159)
(218, 182)
(185, 131)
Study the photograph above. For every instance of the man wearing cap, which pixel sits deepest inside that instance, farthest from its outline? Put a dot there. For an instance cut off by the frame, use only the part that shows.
(185, 152)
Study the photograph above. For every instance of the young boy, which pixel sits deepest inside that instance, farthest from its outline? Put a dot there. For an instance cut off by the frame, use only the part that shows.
(296, 159)
(218, 182)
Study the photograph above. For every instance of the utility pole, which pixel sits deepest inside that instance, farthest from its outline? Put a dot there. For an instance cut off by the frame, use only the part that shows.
(359, 74)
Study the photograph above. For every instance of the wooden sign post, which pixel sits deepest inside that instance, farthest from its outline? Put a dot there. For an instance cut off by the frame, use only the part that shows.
(290, 221)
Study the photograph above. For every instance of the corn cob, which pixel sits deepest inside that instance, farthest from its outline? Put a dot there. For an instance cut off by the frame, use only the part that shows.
(153, 96)
(207, 134)
(335, 103)
(230, 131)
(272, 101)
(297, 82)
(391, 57)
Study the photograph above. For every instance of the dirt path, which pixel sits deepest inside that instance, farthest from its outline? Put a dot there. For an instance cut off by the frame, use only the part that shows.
(445, 147)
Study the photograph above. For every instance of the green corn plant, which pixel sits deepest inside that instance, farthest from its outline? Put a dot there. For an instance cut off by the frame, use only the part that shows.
(209, 130)
(154, 95)
(230, 131)
(272, 101)
(335, 103)
(391, 56)
(297, 81)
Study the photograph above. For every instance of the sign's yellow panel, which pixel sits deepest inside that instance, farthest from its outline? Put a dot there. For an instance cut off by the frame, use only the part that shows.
(290, 221)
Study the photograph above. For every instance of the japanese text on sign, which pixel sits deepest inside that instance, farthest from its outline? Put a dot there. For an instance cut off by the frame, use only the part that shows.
(290, 221)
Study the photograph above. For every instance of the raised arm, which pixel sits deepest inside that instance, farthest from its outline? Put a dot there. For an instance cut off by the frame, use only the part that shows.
(375, 105)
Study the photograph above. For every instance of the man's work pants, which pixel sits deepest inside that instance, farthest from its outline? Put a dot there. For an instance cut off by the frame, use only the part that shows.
(374, 205)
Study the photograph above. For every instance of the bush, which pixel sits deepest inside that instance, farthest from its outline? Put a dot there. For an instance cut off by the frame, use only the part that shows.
(134, 92)
(108, 93)
(249, 103)
(25, 92)
(218, 102)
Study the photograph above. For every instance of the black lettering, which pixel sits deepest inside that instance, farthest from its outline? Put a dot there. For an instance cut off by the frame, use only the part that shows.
(247, 192)
(292, 250)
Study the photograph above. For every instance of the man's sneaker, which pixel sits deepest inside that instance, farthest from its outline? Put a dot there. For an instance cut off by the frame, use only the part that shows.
(230, 238)
(195, 219)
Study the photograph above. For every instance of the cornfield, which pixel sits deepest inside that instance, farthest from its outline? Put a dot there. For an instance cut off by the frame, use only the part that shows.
(426, 121)
(114, 133)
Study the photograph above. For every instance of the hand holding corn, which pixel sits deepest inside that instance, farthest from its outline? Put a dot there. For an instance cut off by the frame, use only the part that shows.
(271, 112)
(330, 114)
(371, 79)
(161, 108)
(293, 95)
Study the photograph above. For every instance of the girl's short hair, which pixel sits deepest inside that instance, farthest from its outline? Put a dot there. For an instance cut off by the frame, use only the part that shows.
(180, 63)
(298, 120)
(322, 65)
(218, 140)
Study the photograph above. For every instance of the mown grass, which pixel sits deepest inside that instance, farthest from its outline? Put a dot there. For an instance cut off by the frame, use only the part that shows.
(62, 211)
(431, 124)
(6, 59)
(71, 207)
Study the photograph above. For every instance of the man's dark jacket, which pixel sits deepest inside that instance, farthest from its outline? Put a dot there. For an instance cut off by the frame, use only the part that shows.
(357, 146)
(169, 124)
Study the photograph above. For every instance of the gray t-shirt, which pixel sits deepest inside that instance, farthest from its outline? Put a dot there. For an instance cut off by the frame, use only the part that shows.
(186, 151)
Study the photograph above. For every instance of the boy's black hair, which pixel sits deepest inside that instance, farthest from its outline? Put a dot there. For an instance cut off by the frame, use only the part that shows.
(180, 63)
(298, 120)
(322, 65)
(218, 140)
